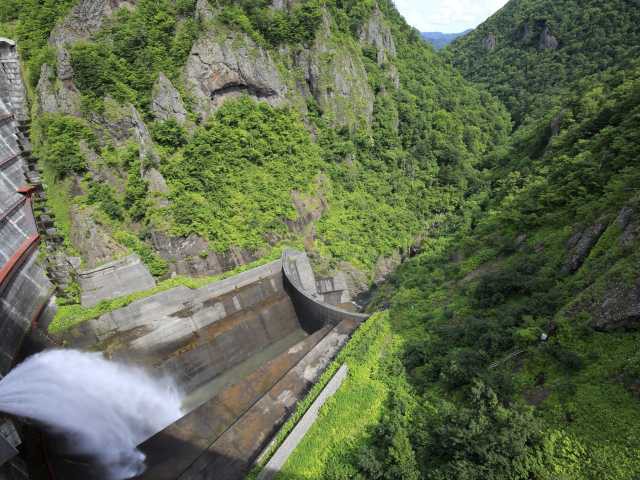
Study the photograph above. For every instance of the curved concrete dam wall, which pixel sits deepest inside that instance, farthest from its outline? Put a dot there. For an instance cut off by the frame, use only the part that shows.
(245, 350)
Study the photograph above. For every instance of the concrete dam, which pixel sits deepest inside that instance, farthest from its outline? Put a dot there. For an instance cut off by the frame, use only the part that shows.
(243, 350)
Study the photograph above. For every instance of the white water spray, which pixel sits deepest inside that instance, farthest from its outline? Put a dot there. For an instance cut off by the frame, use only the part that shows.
(103, 409)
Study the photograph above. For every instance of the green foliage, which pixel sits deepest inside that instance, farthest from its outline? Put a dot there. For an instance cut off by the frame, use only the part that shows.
(233, 181)
(102, 194)
(346, 417)
(486, 440)
(169, 134)
(34, 20)
(592, 36)
(136, 45)
(135, 199)
(157, 266)
(259, 19)
(58, 143)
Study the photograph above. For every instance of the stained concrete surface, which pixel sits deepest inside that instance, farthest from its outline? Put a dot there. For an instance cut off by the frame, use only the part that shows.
(245, 350)
(114, 279)
(281, 456)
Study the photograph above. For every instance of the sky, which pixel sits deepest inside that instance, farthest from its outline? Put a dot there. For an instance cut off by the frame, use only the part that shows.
(448, 16)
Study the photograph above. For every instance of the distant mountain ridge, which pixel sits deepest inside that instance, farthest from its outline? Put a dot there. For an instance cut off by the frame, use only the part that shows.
(440, 40)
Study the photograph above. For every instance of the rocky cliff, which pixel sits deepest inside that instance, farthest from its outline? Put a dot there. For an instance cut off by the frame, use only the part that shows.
(198, 135)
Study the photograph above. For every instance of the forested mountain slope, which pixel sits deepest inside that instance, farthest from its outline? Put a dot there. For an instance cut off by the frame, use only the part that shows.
(200, 135)
(440, 40)
(530, 52)
(512, 344)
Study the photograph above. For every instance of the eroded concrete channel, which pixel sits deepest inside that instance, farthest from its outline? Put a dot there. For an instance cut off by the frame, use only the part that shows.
(244, 350)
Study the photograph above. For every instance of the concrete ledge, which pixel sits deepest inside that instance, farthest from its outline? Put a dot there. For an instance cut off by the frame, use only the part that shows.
(285, 450)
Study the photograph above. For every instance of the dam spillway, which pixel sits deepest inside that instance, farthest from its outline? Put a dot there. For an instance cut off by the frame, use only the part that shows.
(244, 350)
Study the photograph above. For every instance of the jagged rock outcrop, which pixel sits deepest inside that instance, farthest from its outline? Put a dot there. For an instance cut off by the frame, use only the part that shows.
(547, 40)
(336, 78)
(629, 224)
(55, 95)
(222, 68)
(85, 19)
(375, 32)
(490, 42)
(149, 160)
(91, 239)
(192, 256)
(166, 102)
(204, 11)
(556, 124)
(619, 308)
(580, 245)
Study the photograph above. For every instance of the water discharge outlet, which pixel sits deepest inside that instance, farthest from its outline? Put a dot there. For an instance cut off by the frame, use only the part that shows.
(100, 410)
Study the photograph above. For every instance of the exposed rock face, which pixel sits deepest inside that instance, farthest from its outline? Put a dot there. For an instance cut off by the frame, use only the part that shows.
(147, 152)
(284, 4)
(336, 78)
(377, 33)
(580, 246)
(547, 40)
(218, 69)
(91, 239)
(385, 266)
(309, 208)
(84, 20)
(191, 255)
(556, 124)
(57, 96)
(490, 42)
(356, 279)
(115, 122)
(166, 102)
(149, 159)
(619, 309)
(630, 226)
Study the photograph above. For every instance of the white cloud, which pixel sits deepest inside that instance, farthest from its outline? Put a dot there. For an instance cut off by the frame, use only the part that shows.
(448, 16)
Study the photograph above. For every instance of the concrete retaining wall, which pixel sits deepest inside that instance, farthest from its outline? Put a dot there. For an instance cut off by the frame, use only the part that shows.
(313, 313)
